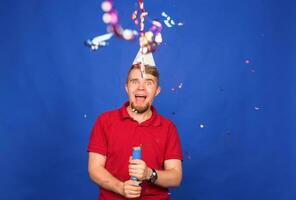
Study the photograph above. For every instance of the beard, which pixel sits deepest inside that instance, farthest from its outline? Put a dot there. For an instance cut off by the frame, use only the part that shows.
(140, 109)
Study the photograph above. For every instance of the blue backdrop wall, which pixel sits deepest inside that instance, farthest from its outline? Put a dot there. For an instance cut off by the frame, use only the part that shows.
(228, 82)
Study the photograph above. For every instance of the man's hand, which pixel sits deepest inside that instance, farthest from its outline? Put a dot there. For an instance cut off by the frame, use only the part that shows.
(138, 168)
(131, 189)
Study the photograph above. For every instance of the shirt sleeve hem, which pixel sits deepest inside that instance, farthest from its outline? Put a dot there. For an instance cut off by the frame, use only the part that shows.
(178, 157)
(96, 150)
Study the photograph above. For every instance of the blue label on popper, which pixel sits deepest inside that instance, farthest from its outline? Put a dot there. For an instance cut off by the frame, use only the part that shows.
(137, 154)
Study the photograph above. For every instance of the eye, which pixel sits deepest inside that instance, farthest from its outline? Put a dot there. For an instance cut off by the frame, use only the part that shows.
(134, 81)
(149, 83)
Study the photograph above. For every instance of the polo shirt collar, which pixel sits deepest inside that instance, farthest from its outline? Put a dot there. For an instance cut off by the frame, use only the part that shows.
(154, 120)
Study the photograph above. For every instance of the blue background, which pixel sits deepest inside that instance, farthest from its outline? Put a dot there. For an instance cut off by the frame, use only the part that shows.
(236, 120)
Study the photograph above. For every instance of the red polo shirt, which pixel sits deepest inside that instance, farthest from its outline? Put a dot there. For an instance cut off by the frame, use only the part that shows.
(114, 135)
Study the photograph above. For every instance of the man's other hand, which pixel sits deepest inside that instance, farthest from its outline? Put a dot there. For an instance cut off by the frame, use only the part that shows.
(131, 189)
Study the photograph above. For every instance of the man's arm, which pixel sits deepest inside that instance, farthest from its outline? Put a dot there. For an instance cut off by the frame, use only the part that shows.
(171, 176)
(101, 176)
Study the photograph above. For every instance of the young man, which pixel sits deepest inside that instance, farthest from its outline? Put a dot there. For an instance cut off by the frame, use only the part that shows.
(136, 123)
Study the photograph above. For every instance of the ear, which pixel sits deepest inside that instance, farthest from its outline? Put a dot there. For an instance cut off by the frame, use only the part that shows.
(126, 88)
(158, 90)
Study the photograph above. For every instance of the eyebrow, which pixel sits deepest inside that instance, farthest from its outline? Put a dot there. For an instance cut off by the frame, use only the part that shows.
(133, 79)
(146, 79)
(149, 79)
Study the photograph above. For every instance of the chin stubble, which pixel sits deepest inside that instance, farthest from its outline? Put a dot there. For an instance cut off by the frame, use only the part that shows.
(139, 110)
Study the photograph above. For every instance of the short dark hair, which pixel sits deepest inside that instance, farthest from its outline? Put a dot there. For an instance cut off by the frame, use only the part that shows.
(152, 70)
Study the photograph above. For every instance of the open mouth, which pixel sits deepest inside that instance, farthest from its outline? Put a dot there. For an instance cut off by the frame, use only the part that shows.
(140, 98)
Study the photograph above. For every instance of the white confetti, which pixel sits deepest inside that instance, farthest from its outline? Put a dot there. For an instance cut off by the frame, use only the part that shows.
(256, 108)
(166, 22)
(169, 22)
(164, 14)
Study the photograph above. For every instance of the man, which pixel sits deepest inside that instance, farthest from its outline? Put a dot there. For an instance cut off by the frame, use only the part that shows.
(135, 124)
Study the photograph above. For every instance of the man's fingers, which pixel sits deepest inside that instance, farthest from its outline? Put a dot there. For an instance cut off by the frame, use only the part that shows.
(136, 167)
(132, 184)
(135, 161)
(135, 170)
(136, 184)
(132, 189)
(132, 196)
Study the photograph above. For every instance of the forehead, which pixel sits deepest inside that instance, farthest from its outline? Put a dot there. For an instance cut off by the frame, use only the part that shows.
(136, 74)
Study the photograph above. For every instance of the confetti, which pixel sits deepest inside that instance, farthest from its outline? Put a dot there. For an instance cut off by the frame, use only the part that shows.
(148, 40)
(168, 21)
(99, 41)
(180, 86)
(247, 61)
(106, 6)
(256, 108)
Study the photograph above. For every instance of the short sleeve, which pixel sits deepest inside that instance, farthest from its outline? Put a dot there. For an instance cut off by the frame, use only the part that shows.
(98, 140)
(173, 146)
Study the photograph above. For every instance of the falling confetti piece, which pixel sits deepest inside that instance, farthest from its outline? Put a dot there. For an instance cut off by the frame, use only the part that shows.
(168, 21)
(180, 86)
(106, 6)
(164, 14)
(247, 61)
(99, 41)
(256, 108)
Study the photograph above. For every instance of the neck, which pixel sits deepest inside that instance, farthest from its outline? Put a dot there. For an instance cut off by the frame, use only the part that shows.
(139, 117)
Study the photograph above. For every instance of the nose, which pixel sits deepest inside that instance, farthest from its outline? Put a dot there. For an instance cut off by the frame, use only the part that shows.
(141, 85)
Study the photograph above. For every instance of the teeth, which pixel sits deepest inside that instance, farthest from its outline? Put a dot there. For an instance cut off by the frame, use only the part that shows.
(139, 96)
